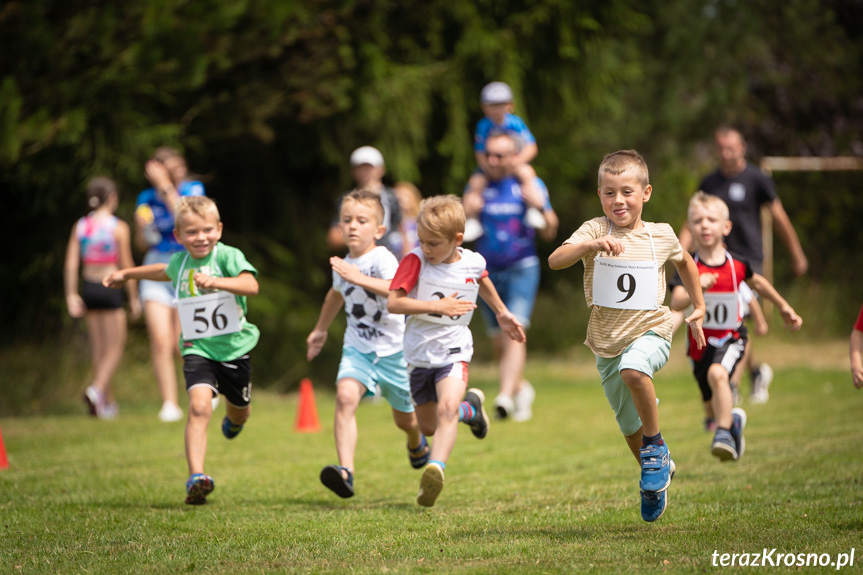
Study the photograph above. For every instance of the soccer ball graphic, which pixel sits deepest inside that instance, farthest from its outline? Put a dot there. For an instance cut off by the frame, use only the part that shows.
(363, 306)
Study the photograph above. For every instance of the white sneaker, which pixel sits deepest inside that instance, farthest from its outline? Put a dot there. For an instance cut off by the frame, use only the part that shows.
(170, 412)
(762, 381)
(524, 402)
(215, 402)
(505, 406)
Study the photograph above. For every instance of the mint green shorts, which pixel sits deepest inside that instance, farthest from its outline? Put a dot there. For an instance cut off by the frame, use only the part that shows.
(383, 376)
(647, 354)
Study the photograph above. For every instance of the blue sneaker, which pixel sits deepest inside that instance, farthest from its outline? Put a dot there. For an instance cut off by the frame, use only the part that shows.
(332, 478)
(198, 487)
(230, 430)
(724, 446)
(655, 468)
(654, 503)
(739, 423)
(419, 456)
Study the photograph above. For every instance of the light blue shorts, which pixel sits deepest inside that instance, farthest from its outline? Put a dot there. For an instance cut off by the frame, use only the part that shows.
(159, 292)
(647, 354)
(517, 286)
(384, 376)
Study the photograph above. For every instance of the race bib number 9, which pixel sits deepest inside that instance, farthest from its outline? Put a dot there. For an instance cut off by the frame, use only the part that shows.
(722, 310)
(623, 284)
(430, 290)
(208, 315)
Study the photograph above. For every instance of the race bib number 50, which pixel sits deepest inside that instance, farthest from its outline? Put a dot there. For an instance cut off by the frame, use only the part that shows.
(623, 284)
(208, 315)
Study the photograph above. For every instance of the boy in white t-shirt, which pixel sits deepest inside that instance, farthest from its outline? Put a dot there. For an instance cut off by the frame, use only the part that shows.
(373, 360)
(436, 285)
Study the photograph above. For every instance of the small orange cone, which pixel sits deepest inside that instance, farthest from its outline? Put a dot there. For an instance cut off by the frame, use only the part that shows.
(307, 410)
(4, 462)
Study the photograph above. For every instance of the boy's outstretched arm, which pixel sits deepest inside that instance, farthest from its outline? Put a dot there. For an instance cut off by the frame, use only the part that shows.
(333, 302)
(244, 284)
(570, 254)
(399, 302)
(352, 274)
(155, 272)
(505, 319)
(760, 284)
(688, 271)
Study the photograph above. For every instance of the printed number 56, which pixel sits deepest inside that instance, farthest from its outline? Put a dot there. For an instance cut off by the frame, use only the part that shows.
(626, 284)
(219, 320)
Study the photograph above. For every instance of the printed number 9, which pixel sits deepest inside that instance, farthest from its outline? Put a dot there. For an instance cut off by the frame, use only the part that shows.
(220, 320)
(626, 284)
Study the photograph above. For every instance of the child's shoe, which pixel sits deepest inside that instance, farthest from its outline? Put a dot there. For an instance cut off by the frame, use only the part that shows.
(229, 429)
(724, 445)
(655, 468)
(332, 478)
(109, 410)
(197, 488)
(431, 484)
(479, 424)
(523, 402)
(739, 423)
(709, 424)
(419, 456)
(654, 503)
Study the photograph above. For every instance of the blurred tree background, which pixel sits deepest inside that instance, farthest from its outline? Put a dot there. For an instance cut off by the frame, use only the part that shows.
(267, 98)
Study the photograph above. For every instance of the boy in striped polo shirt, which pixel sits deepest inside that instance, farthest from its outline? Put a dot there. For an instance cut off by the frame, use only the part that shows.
(629, 330)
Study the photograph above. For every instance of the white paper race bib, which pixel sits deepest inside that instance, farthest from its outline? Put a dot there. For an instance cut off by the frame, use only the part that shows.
(431, 290)
(721, 310)
(208, 315)
(624, 284)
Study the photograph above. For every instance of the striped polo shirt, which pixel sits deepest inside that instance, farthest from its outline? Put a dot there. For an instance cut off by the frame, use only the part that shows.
(609, 330)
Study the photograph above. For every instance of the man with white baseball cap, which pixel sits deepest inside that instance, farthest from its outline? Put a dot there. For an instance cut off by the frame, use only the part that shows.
(367, 170)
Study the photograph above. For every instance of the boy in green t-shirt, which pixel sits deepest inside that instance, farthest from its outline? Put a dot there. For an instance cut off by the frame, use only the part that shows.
(211, 282)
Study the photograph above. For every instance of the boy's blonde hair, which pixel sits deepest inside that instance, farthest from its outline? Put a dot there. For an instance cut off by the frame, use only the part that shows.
(707, 200)
(367, 198)
(201, 206)
(442, 216)
(620, 161)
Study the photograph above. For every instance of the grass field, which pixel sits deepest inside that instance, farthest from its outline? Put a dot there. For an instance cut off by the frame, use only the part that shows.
(557, 494)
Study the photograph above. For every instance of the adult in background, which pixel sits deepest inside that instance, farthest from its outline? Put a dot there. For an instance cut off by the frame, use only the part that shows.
(745, 188)
(154, 235)
(511, 217)
(367, 170)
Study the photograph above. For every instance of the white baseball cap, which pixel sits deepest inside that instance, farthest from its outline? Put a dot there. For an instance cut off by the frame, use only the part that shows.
(496, 93)
(367, 155)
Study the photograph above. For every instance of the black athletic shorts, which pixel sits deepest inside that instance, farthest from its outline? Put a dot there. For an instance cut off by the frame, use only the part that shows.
(729, 354)
(233, 379)
(97, 296)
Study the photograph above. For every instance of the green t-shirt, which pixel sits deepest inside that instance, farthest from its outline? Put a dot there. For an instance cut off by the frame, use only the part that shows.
(223, 261)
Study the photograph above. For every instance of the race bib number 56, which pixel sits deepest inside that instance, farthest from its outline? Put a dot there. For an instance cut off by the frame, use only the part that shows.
(208, 315)
(622, 284)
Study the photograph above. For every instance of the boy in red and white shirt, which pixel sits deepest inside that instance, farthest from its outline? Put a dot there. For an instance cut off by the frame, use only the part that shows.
(436, 286)
(721, 277)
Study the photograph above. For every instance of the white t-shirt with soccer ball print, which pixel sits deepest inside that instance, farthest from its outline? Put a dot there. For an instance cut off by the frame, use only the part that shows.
(371, 328)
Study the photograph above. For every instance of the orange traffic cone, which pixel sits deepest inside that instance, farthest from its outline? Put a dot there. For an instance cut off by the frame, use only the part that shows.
(4, 462)
(307, 411)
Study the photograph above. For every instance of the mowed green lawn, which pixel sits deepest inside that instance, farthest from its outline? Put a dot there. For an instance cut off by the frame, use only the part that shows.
(556, 494)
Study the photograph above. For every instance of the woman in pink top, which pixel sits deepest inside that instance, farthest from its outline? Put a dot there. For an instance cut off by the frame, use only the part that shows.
(100, 244)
